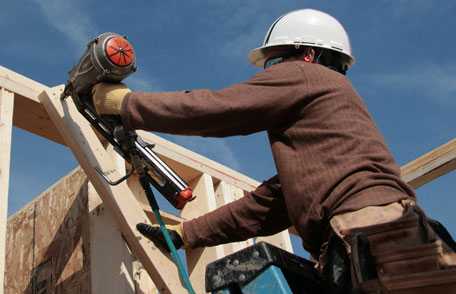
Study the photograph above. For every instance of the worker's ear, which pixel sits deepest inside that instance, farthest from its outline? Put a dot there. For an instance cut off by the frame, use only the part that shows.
(309, 55)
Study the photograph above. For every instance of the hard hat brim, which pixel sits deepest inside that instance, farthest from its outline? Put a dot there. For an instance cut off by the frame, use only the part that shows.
(258, 56)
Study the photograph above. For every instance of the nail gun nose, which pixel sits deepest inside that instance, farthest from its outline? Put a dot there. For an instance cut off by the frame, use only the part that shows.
(183, 197)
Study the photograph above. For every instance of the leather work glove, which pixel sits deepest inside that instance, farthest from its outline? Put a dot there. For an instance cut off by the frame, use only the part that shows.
(107, 98)
(154, 234)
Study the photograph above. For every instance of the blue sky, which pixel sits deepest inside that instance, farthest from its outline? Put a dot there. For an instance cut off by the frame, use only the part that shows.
(405, 71)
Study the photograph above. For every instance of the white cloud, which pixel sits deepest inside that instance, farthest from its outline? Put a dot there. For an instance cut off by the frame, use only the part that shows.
(70, 19)
(433, 81)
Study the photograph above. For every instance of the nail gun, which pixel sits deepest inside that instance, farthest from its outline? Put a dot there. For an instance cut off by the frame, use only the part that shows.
(111, 58)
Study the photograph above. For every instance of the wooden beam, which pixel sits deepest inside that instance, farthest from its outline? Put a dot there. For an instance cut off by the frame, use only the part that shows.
(20, 84)
(430, 166)
(119, 199)
(111, 263)
(6, 125)
(110, 257)
(197, 259)
(168, 218)
(29, 114)
(32, 117)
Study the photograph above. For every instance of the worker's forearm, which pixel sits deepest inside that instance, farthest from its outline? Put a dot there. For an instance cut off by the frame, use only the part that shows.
(259, 213)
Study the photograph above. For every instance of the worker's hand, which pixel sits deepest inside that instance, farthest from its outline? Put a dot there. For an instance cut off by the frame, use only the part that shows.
(154, 234)
(107, 97)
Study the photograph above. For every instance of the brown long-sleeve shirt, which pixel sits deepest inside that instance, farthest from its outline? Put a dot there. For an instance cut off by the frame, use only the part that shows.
(329, 155)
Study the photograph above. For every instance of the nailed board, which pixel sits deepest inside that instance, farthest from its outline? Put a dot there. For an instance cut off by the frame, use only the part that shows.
(119, 199)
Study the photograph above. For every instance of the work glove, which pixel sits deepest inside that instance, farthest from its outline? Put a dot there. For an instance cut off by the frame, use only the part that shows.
(154, 234)
(107, 97)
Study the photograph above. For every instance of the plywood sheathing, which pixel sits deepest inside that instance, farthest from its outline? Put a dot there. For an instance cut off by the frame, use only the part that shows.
(47, 242)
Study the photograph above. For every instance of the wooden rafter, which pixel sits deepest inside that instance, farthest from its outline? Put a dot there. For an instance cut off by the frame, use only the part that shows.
(430, 166)
(29, 114)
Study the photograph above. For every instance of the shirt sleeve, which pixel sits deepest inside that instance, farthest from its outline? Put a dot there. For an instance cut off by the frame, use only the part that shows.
(261, 212)
(269, 99)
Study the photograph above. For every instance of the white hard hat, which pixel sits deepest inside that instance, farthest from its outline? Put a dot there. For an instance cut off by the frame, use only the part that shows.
(304, 27)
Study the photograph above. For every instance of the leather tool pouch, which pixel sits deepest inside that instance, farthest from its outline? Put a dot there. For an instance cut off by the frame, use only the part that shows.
(409, 255)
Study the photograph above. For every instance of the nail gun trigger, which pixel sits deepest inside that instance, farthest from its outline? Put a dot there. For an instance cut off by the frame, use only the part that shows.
(116, 182)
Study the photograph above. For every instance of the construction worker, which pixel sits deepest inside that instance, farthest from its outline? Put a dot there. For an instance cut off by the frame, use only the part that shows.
(335, 172)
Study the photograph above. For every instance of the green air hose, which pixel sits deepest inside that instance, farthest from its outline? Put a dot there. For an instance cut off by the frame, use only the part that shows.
(155, 209)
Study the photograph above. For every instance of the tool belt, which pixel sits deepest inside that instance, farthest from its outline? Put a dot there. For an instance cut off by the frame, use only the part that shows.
(411, 254)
